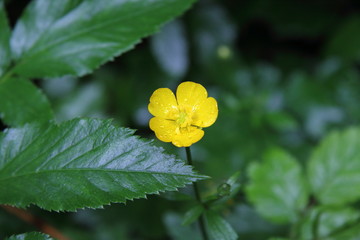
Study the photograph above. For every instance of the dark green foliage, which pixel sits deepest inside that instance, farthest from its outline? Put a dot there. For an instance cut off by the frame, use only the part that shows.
(286, 78)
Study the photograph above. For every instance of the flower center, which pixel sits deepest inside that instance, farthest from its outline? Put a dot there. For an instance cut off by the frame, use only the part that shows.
(182, 119)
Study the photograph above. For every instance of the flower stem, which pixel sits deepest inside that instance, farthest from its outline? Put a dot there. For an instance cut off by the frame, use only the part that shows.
(198, 198)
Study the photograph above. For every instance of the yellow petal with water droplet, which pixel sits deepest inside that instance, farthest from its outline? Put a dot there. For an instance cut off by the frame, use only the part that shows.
(206, 114)
(163, 104)
(190, 95)
(164, 129)
(187, 137)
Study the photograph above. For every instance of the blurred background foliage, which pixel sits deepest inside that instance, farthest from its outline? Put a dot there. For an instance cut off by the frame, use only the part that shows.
(284, 73)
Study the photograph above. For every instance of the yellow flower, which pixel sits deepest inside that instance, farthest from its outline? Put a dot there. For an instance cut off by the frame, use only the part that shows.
(180, 120)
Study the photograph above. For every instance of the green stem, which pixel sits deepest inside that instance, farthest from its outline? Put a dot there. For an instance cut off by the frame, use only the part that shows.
(6, 76)
(198, 198)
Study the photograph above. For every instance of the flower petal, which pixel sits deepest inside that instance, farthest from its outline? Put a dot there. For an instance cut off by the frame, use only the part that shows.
(188, 137)
(190, 94)
(163, 104)
(165, 130)
(206, 114)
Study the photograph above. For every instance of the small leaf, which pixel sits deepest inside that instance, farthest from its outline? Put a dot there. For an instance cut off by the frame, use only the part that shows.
(218, 228)
(192, 215)
(334, 168)
(68, 43)
(30, 236)
(323, 221)
(234, 182)
(4, 40)
(225, 191)
(21, 102)
(277, 187)
(83, 163)
(171, 50)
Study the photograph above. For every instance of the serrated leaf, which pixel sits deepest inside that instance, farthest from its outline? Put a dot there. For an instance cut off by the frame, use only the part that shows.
(218, 228)
(322, 221)
(83, 163)
(5, 55)
(193, 214)
(21, 102)
(334, 168)
(277, 187)
(80, 37)
(30, 236)
(36, 20)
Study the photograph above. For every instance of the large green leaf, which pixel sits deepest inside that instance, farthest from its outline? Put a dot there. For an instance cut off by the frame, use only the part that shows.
(36, 20)
(21, 102)
(83, 163)
(277, 187)
(75, 38)
(30, 236)
(218, 228)
(334, 168)
(4, 40)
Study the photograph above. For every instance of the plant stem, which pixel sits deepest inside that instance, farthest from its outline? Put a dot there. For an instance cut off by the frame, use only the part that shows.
(198, 198)
(38, 223)
(6, 76)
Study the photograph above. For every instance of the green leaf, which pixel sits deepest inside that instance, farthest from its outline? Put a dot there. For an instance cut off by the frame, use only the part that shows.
(172, 221)
(83, 163)
(78, 38)
(4, 40)
(323, 221)
(334, 168)
(192, 215)
(277, 187)
(30, 236)
(225, 191)
(350, 232)
(218, 228)
(21, 102)
(37, 19)
(234, 183)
